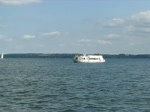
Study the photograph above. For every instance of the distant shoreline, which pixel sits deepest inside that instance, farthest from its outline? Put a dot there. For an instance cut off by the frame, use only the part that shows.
(65, 55)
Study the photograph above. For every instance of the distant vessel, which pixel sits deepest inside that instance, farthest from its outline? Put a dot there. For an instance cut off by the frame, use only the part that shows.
(2, 56)
(89, 58)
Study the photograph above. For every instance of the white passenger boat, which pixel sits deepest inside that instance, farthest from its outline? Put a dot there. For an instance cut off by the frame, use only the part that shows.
(89, 58)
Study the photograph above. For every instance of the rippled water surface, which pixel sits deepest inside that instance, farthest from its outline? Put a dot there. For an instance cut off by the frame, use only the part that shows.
(59, 85)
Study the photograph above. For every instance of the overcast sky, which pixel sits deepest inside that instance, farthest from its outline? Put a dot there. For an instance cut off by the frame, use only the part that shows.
(75, 26)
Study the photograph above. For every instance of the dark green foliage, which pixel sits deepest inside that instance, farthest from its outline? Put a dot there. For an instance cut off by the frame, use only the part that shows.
(41, 55)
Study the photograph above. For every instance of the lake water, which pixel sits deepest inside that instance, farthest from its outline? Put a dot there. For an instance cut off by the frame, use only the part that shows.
(59, 85)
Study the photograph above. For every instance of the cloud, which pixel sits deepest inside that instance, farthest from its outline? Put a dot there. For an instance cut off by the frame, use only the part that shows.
(56, 33)
(42, 35)
(84, 40)
(42, 45)
(112, 36)
(29, 36)
(18, 2)
(2, 26)
(2, 36)
(139, 24)
(147, 30)
(5, 38)
(9, 39)
(134, 26)
(104, 42)
(115, 22)
(132, 44)
(142, 17)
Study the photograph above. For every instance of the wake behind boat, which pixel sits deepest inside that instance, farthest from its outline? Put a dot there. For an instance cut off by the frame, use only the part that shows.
(89, 58)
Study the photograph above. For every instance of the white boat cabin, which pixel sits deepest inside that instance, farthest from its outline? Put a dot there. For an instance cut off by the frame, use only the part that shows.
(89, 58)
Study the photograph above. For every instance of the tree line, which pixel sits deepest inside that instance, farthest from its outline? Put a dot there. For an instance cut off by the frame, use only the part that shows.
(64, 55)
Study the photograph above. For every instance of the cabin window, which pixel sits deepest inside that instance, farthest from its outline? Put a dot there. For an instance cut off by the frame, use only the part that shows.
(93, 58)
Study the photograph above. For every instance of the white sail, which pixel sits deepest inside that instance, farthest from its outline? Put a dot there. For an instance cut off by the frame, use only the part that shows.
(2, 56)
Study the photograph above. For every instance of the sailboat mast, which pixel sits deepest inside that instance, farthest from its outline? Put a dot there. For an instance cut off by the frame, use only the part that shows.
(2, 55)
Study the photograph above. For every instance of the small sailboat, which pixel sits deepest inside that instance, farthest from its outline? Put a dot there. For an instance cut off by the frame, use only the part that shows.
(2, 56)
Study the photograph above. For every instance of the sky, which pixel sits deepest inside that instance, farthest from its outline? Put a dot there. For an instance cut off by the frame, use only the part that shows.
(75, 26)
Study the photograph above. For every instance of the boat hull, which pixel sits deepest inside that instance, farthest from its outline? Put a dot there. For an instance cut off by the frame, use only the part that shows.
(88, 61)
